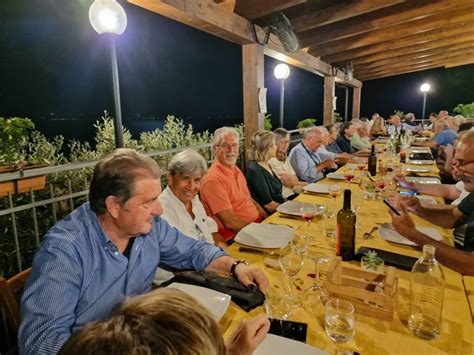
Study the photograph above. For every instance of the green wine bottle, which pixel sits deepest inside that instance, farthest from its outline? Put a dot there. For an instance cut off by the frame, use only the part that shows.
(372, 163)
(346, 221)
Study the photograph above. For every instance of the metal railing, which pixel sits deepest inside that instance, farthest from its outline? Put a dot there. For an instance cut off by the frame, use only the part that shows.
(53, 198)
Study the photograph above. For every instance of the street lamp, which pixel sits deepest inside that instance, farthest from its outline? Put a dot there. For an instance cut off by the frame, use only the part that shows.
(108, 17)
(281, 72)
(424, 88)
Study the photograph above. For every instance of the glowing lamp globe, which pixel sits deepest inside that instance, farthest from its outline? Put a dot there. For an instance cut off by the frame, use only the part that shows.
(107, 16)
(425, 87)
(281, 71)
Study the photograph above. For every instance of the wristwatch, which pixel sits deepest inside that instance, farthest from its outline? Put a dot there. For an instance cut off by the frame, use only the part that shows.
(234, 265)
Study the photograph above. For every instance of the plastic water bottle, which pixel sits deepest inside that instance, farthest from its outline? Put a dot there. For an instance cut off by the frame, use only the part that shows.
(426, 295)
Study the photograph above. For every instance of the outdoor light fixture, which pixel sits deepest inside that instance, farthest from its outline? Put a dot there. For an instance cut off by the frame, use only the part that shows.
(281, 72)
(348, 72)
(424, 88)
(108, 17)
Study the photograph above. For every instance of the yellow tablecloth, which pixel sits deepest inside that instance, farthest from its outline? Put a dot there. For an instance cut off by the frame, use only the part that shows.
(469, 288)
(372, 336)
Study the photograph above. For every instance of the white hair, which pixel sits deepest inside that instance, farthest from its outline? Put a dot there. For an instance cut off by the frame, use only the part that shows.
(224, 131)
(187, 162)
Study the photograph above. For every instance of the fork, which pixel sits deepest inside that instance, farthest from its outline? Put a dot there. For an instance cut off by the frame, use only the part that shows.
(368, 235)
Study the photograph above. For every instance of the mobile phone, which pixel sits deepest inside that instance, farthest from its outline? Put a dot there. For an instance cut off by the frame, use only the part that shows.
(407, 193)
(391, 207)
(289, 329)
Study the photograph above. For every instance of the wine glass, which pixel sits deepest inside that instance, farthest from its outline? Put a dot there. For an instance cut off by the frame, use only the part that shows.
(308, 212)
(317, 286)
(349, 175)
(334, 191)
(380, 184)
(291, 262)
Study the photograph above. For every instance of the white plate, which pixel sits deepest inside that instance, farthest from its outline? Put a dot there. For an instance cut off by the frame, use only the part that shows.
(416, 169)
(420, 150)
(264, 235)
(317, 188)
(421, 162)
(352, 166)
(422, 139)
(294, 208)
(427, 199)
(423, 180)
(276, 345)
(335, 176)
(387, 232)
(215, 302)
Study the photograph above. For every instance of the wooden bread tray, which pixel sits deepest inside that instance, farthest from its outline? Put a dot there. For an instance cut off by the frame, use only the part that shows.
(371, 294)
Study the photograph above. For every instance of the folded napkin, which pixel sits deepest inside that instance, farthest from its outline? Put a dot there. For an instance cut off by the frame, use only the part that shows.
(392, 259)
(246, 297)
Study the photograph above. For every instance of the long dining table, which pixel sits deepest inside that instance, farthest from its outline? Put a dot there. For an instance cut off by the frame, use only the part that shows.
(372, 336)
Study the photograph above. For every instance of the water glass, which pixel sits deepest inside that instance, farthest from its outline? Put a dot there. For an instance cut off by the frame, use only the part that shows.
(277, 303)
(330, 223)
(339, 320)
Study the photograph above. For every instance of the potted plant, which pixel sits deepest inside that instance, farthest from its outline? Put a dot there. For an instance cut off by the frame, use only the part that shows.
(14, 134)
(306, 123)
(467, 110)
(336, 117)
(372, 262)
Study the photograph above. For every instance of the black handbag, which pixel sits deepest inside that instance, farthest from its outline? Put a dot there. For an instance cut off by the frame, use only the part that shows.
(246, 297)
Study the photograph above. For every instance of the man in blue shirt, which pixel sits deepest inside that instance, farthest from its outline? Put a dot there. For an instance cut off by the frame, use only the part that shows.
(308, 165)
(107, 250)
(443, 137)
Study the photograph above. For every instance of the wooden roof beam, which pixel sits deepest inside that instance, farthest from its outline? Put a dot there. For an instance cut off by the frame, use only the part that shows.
(393, 15)
(208, 16)
(338, 12)
(434, 22)
(400, 69)
(458, 29)
(417, 48)
(253, 9)
(432, 53)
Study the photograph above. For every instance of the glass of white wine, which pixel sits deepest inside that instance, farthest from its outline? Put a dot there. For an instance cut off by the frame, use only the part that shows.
(291, 261)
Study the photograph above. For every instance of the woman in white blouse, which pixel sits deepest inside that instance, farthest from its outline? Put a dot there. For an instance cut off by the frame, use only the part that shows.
(282, 167)
(182, 207)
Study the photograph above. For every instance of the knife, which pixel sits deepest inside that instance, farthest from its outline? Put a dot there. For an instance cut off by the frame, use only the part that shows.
(258, 251)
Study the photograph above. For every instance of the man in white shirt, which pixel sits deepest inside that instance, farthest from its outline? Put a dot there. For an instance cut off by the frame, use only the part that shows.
(182, 207)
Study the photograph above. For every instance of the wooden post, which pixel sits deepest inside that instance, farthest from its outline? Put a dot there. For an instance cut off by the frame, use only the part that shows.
(356, 102)
(253, 80)
(329, 88)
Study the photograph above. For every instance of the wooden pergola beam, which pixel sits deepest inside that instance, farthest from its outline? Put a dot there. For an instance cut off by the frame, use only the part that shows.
(460, 29)
(417, 48)
(337, 13)
(463, 59)
(393, 15)
(208, 16)
(328, 106)
(252, 9)
(391, 33)
(423, 55)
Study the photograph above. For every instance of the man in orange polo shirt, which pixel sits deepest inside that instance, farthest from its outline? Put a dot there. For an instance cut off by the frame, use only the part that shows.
(224, 192)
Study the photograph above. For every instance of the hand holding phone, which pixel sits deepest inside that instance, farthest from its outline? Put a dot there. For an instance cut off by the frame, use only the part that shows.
(387, 202)
(288, 329)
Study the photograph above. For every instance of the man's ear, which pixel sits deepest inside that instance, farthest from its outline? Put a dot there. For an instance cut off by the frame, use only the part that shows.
(169, 179)
(112, 204)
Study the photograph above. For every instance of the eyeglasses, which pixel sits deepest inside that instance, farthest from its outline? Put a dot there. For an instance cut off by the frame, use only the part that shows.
(229, 146)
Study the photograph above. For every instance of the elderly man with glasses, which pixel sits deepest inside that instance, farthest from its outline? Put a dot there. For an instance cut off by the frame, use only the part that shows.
(459, 260)
(224, 190)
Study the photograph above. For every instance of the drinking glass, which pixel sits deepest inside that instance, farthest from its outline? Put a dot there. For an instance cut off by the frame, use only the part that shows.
(291, 262)
(339, 320)
(317, 287)
(330, 221)
(277, 302)
(349, 175)
(308, 211)
(380, 184)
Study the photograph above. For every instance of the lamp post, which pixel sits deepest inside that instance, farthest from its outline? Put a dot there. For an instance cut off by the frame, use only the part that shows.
(281, 72)
(424, 88)
(108, 17)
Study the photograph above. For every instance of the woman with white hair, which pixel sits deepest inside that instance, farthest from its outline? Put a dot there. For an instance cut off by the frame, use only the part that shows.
(282, 167)
(182, 207)
(264, 185)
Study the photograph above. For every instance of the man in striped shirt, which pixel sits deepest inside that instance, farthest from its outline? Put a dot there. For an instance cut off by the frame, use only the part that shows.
(107, 250)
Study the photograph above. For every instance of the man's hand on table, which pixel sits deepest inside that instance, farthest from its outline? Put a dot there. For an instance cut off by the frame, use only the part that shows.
(403, 224)
(250, 275)
(248, 336)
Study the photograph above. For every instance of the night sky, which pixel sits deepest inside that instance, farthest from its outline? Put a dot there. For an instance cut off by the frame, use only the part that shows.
(56, 70)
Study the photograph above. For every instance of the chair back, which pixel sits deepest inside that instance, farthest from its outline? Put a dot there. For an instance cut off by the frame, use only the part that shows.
(9, 297)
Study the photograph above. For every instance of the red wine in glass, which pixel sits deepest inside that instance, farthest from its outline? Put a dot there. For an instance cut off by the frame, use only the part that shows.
(360, 167)
(348, 177)
(308, 217)
(381, 185)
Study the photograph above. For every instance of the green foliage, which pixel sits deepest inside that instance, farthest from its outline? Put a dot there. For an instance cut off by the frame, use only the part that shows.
(371, 260)
(399, 113)
(268, 122)
(306, 123)
(467, 110)
(336, 117)
(14, 133)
